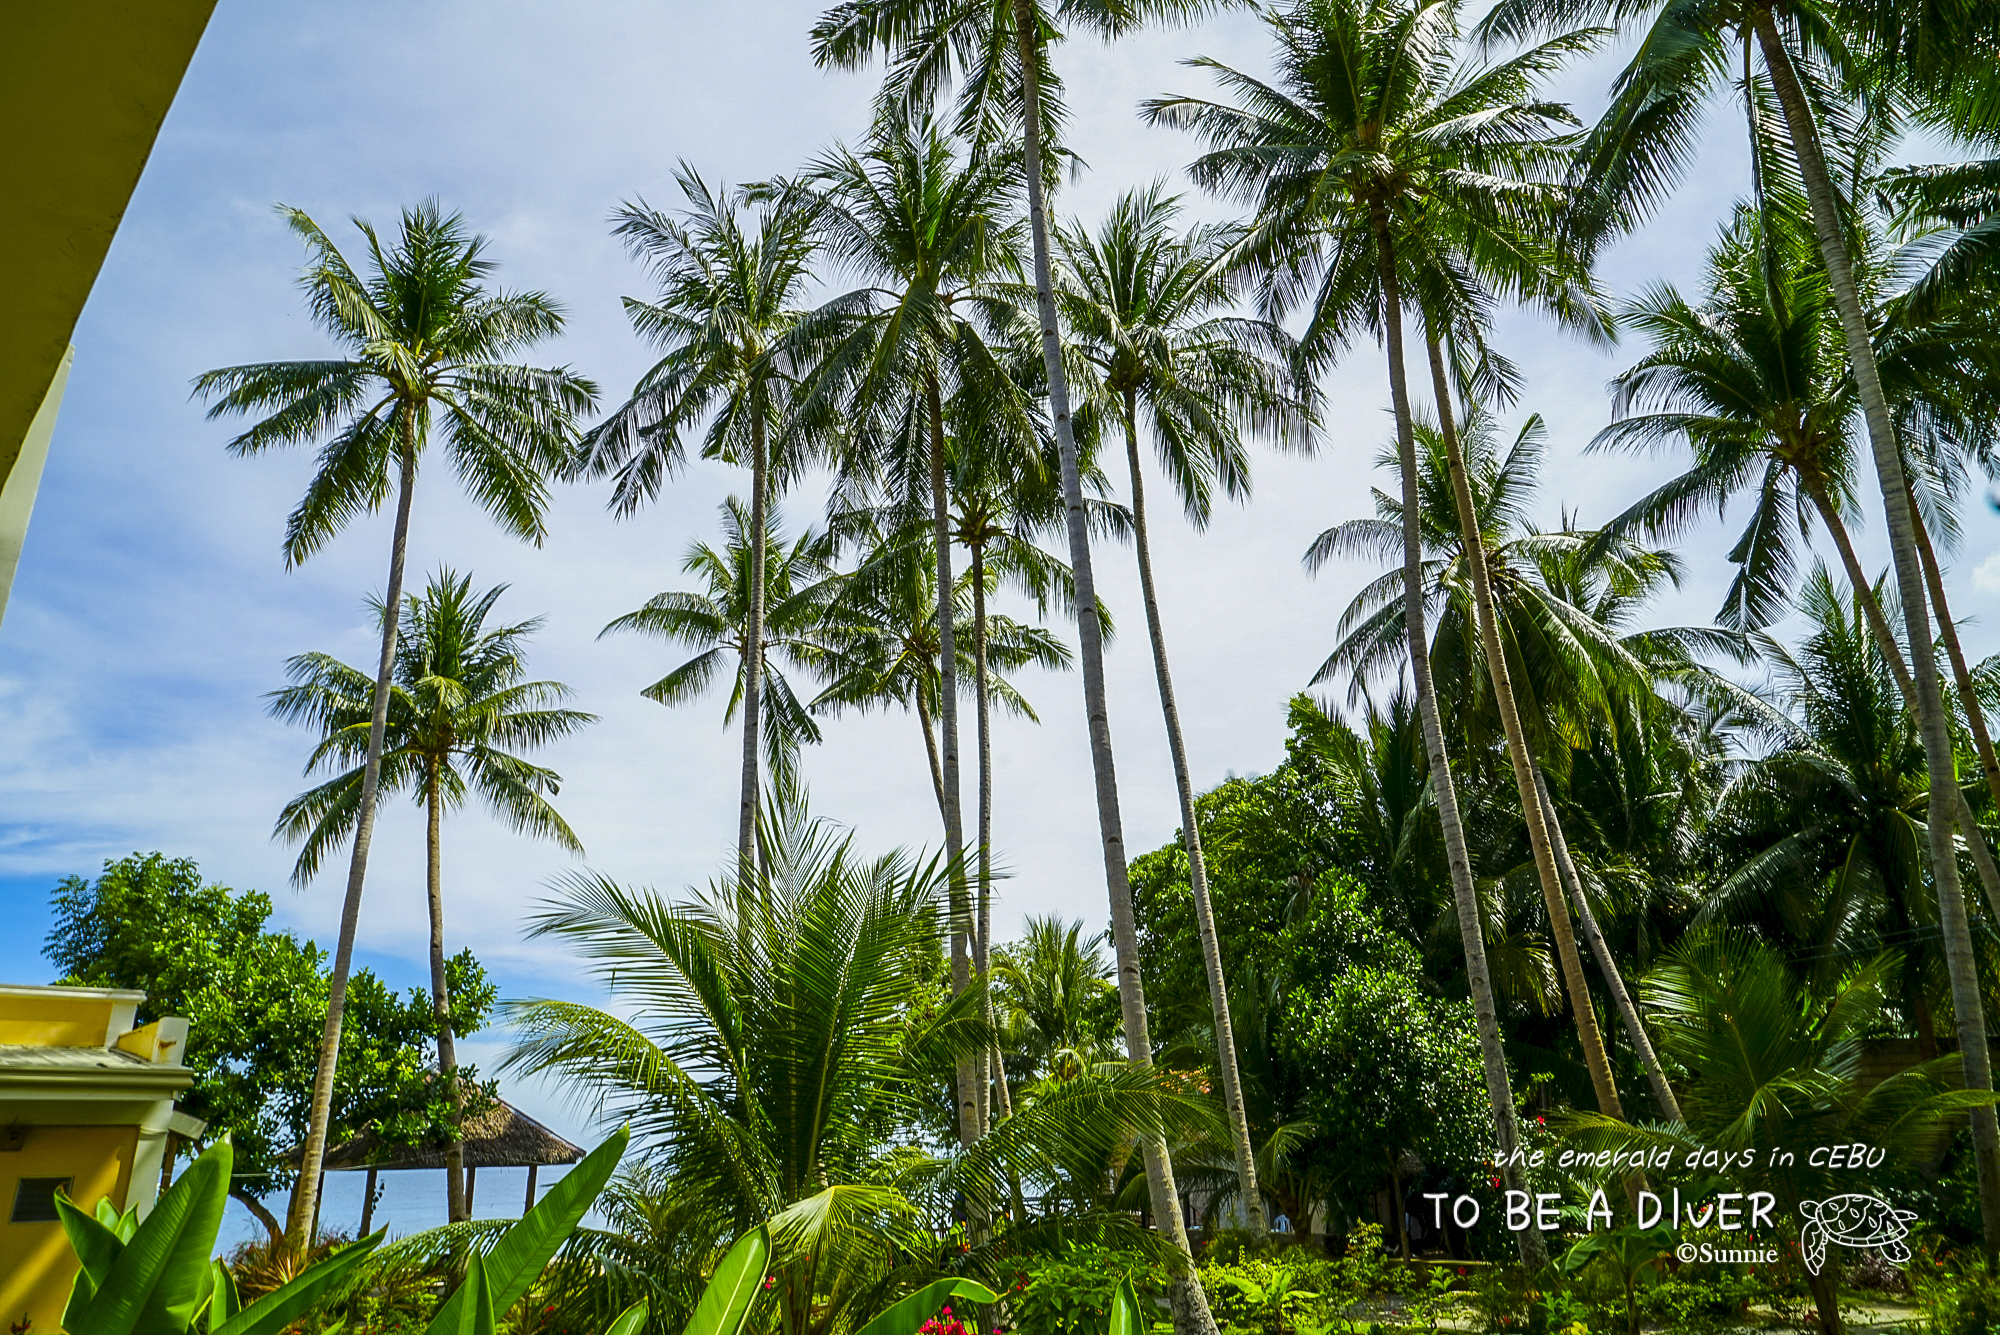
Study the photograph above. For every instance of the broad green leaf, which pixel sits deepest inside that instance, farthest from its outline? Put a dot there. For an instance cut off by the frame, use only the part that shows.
(1126, 1317)
(96, 1247)
(470, 1311)
(908, 1316)
(106, 1214)
(525, 1248)
(226, 1303)
(80, 1295)
(157, 1284)
(733, 1288)
(630, 1321)
(279, 1308)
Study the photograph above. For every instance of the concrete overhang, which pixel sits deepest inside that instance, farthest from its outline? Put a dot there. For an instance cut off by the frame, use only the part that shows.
(84, 85)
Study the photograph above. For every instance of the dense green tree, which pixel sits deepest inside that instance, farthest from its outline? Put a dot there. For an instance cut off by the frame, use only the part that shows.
(460, 709)
(1393, 1070)
(426, 343)
(255, 1001)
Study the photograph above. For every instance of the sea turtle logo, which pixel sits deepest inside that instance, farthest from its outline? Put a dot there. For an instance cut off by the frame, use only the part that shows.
(1853, 1220)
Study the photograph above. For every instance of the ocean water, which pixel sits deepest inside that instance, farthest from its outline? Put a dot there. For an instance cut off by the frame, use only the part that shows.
(409, 1202)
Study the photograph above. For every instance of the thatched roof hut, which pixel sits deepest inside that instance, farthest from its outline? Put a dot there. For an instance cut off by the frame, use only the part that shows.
(500, 1136)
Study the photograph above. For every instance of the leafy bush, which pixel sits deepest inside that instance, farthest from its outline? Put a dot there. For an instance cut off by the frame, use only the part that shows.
(1070, 1292)
(1960, 1302)
(1278, 1295)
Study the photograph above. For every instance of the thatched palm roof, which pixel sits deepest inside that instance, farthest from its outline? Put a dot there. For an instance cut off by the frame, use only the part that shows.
(501, 1136)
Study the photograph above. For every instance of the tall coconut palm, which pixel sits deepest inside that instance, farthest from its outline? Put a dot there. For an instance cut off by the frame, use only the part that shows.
(1148, 310)
(459, 711)
(1568, 663)
(998, 55)
(882, 645)
(1377, 162)
(929, 231)
(727, 293)
(723, 623)
(1006, 485)
(1819, 60)
(1753, 379)
(425, 343)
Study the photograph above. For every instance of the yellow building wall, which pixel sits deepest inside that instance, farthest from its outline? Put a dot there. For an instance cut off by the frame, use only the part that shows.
(37, 1266)
(38, 1021)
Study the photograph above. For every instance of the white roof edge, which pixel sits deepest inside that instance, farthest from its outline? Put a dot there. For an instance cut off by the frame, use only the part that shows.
(42, 990)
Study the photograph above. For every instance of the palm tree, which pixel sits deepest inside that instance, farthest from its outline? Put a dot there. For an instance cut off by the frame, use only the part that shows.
(1569, 662)
(425, 338)
(1828, 824)
(459, 710)
(1753, 380)
(727, 295)
(723, 623)
(1770, 1058)
(998, 53)
(927, 230)
(1863, 52)
(1377, 165)
(1056, 1002)
(785, 1039)
(1007, 488)
(882, 644)
(1145, 308)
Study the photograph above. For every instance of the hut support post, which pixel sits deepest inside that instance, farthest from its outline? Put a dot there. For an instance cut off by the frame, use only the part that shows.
(368, 1203)
(471, 1176)
(531, 1189)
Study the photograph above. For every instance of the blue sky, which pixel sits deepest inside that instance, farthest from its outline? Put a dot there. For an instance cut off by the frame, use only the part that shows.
(153, 611)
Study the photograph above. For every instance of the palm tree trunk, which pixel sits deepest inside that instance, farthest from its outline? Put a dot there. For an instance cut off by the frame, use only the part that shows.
(1204, 909)
(1465, 895)
(1931, 720)
(1607, 964)
(971, 1122)
(259, 1213)
(753, 651)
(1892, 653)
(1190, 1304)
(1975, 716)
(454, 1152)
(995, 1075)
(1540, 819)
(931, 751)
(305, 1192)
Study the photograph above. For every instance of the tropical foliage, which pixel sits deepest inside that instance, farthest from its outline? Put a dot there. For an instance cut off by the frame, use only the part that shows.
(1540, 871)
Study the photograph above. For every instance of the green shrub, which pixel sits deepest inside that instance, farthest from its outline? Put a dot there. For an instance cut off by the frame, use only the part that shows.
(1960, 1302)
(1277, 1295)
(1070, 1292)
